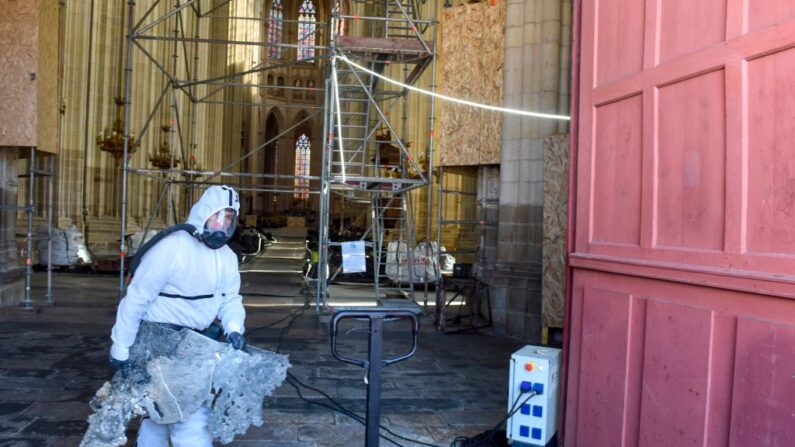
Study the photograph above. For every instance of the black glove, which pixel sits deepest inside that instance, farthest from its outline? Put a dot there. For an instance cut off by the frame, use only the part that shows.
(120, 365)
(236, 340)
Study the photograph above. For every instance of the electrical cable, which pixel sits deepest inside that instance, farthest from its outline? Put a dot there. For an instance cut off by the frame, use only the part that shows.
(295, 382)
(293, 316)
(486, 439)
(340, 408)
(453, 99)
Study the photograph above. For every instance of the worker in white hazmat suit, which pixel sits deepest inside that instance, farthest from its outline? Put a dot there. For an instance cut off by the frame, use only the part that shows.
(186, 280)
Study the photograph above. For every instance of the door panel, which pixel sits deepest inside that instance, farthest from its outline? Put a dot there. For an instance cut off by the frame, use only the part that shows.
(681, 319)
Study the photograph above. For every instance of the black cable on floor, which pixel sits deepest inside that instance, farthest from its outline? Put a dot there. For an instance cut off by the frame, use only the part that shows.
(341, 409)
(486, 439)
(293, 315)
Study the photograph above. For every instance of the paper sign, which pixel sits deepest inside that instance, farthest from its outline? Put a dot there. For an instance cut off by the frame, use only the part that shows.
(353, 259)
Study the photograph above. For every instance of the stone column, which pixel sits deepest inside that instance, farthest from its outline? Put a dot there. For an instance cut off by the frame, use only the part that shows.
(12, 273)
(534, 61)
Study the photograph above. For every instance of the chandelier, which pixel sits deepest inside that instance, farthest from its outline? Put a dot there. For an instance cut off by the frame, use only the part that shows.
(162, 158)
(112, 140)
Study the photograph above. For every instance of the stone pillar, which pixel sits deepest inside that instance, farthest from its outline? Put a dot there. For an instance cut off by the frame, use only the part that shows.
(535, 57)
(12, 274)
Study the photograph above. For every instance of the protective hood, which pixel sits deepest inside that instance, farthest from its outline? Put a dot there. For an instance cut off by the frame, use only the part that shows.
(214, 199)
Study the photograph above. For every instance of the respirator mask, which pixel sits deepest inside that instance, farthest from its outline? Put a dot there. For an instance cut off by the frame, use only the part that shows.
(219, 228)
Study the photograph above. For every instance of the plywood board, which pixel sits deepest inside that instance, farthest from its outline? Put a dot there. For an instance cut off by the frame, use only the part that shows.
(556, 202)
(472, 54)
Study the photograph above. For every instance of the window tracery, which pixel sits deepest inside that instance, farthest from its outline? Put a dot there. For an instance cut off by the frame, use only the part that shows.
(275, 30)
(307, 23)
(302, 156)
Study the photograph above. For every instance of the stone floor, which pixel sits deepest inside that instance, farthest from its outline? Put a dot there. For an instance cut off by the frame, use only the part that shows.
(55, 358)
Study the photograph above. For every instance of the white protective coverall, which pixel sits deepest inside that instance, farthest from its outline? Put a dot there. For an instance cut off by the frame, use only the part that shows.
(182, 281)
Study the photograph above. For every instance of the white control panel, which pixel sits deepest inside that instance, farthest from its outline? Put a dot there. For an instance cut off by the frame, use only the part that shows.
(534, 391)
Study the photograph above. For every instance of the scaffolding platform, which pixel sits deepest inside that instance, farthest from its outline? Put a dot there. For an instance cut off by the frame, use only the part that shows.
(394, 50)
(378, 184)
(390, 51)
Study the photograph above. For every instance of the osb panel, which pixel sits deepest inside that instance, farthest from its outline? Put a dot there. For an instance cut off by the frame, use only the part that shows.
(19, 43)
(472, 54)
(47, 76)
(556, 202)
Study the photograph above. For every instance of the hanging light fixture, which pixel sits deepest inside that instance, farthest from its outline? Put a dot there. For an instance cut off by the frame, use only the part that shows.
(112, 139)
(162, 158)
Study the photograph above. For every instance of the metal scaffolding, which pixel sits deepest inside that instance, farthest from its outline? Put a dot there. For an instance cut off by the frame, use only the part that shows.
(365, 155)
(364, 158)
(34, 172)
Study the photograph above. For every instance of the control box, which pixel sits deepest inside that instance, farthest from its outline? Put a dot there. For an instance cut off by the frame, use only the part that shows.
(534, 393)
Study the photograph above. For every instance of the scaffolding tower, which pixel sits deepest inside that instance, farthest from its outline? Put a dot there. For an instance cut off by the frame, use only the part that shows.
(364, 157)
(365, 154)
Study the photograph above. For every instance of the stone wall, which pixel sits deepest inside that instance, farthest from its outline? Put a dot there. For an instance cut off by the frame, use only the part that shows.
(537, 55)
(19, 40)
(12, 282)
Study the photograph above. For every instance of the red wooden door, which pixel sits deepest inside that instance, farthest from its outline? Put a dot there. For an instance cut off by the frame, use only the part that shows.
(681, 316)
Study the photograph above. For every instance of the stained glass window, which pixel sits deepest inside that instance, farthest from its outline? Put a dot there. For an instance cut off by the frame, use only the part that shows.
(337, 24)
(275, 30)
(302, 155)
(306, 30)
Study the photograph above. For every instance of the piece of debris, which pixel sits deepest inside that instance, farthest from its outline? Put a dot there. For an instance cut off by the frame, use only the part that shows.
(173, 373)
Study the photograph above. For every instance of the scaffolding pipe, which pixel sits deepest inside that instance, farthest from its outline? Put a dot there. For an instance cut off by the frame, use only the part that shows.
(407, 206)
(223, 174)
(193, 105)
(146, 14)
(174, 118)
(50, 195)
(125, 157)
(138, 33)
(88, 139)
(29, 239)
(253, 188)
(439, 283)
(429, 204)
(387, 19)
(325, 166)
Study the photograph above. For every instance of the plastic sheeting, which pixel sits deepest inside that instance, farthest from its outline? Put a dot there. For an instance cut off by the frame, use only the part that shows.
(68, 247)
(423, 266)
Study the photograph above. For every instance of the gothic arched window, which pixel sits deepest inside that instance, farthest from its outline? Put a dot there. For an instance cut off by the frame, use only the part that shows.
(337, 24)
(275, 30)
(302, 155)
(306, 30)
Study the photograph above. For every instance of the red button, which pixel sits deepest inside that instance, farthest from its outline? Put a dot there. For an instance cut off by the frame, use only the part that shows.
(528, 366)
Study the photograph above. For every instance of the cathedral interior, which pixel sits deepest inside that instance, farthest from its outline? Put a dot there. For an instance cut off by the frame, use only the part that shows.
(331, 119)
(131, 107)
